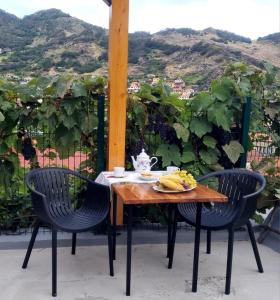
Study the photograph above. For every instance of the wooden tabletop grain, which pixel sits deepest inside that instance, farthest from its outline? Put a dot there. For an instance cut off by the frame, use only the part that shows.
(143, 193)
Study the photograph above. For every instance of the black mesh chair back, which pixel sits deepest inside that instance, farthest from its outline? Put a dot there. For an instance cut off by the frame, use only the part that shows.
(54, 184)
(51, 197)
(51, 190)
(242, 187)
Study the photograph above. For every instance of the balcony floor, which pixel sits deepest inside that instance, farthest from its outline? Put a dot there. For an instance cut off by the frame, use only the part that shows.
(85, 275)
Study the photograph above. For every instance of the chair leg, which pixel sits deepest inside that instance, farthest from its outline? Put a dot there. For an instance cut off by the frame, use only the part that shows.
(74, 241)
(110, 247)
(229, 260)
(172, 242)
(254, 245)
(31, 244)
(115, 202)
(196, 246)
(208, 249)
(54, 262)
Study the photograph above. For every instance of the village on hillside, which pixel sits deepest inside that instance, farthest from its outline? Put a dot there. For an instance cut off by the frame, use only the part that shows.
(177, 86)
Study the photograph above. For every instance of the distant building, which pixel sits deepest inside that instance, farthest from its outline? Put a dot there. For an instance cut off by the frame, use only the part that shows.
(178, 86)
(186, 94)
(25, 80)
(134, 87)
(155, 81)
(5, 50)
(11, 76)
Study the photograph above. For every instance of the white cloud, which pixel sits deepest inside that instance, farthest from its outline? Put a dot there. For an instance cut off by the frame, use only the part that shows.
(251, 18)
(92, 11)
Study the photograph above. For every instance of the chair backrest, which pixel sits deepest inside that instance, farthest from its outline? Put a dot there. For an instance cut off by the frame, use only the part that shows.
(54, 184)
(241, 187)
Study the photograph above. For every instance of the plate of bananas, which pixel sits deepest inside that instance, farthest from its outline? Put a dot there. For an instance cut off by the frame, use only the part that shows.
(176, 182)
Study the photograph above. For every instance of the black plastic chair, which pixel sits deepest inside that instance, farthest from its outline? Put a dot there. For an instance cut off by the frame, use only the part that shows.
(242, 188)
(50, 193)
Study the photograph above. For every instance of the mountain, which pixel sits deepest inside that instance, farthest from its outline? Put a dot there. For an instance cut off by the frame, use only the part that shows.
(274, 37)
(51, 41)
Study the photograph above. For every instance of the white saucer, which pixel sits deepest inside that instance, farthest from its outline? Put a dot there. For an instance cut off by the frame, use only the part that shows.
(152, 178)
(121, 176)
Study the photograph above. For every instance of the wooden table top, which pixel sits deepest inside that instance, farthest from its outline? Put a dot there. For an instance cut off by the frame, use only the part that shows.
(143, 193)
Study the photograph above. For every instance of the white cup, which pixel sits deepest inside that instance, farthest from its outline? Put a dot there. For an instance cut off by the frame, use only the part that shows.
(119, 171)
(171, 169)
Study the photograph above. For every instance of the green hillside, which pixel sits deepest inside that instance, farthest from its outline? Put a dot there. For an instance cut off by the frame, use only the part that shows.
(51, 41)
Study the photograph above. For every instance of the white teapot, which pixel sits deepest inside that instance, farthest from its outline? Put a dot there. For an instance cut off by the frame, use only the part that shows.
(143, 162)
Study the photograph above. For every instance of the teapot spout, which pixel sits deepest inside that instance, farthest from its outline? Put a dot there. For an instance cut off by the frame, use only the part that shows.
(134, 162)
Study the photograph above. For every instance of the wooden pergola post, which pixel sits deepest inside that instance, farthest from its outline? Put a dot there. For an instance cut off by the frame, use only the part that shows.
(118, 67)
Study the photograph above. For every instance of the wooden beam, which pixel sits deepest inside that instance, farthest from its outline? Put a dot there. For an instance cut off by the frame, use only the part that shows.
(118, 66)
(118, 61)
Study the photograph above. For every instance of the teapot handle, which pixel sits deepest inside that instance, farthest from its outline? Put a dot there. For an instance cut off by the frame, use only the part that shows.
(156, 160)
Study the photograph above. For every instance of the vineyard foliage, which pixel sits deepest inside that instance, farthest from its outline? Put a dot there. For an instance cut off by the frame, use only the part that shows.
(62, 106)
(204, 134)
(201, 134)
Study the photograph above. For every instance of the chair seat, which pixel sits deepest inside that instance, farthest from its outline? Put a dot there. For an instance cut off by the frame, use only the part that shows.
(213, 219)
(80, 220)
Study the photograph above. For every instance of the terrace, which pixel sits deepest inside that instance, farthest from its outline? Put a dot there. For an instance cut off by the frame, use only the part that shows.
(125, 126)
(85, 275)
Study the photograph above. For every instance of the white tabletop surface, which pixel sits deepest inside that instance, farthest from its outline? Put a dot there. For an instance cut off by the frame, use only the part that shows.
(107, 178)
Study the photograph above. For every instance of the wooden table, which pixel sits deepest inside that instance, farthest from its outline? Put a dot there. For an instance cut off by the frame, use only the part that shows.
(139, 194)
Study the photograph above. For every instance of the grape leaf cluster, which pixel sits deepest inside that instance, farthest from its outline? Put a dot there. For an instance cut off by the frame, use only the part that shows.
(28, 151)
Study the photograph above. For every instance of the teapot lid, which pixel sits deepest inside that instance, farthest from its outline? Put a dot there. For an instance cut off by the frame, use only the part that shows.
(143, 155)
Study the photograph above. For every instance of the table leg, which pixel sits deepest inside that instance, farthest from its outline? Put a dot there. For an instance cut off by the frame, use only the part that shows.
(173, 239)
(196, 246)
(114, 224)
(128, 259)
(169, 229)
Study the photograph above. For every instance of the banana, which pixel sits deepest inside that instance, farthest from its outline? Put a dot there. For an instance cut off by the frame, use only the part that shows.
(174, 178)
(171, 184)
(178, 180)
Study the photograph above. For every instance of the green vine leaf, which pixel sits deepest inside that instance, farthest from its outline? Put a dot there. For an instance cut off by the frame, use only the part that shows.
(2, 117)
(68, 121)
(146, 93)
(210, 157)
(200, 126)
(201, 101)
(174, 101)
(188, 156)
(62, 85)
(140, 114)
(222, 89)
(233, 150)
(71, 104)
(209, 141)
(170, 154)
(220, 115)
(3, 148)
(79, 90)
(181, 131)
(245, 86)
(89, 124)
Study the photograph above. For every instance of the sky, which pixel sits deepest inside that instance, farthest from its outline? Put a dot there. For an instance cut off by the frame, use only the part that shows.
(249, 18)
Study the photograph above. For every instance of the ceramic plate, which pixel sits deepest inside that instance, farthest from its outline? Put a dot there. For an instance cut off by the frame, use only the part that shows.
(160, 189)
(150, 178)
(113, 176)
